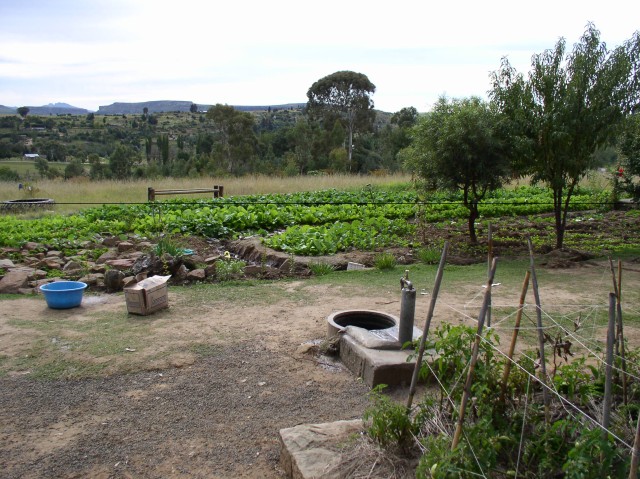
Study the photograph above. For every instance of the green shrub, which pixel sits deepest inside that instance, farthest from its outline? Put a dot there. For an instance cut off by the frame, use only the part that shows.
(229, 268)
(385, 261)
(321, 269)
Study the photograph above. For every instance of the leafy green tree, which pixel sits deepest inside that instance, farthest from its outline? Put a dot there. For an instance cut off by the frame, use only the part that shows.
(42, 166)
(74, 169)
(345, 95)
(53, 149)
(23, 111)
(460, 145)
(97, 169)
(629, 148)
(193, 108)
(569, 105)
(121, 161)
(236, 141)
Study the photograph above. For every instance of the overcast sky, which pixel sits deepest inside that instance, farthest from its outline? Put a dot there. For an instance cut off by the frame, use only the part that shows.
(247, 52)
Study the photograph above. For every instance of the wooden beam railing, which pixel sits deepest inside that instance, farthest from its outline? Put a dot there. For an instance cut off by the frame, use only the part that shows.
(217, 190)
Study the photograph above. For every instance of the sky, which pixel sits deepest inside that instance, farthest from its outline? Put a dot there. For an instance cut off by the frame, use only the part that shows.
(89, 53)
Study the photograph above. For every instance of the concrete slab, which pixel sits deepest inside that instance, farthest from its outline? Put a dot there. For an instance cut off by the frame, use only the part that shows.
(376, 366)
(308, 451)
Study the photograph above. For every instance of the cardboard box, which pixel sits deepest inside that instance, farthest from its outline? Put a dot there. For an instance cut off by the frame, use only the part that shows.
(147, 296)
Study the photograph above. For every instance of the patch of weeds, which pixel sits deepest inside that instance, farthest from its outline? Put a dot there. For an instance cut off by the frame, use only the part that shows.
(229, 268)
(166, 245)
(320, 268)
(55, 273)
(428, 255)
(205, 350)
(385, 261)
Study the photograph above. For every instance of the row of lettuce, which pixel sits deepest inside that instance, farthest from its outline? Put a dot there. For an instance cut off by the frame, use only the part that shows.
(312, 223)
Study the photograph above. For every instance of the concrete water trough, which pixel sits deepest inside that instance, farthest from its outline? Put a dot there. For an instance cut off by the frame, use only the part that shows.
(370, 348)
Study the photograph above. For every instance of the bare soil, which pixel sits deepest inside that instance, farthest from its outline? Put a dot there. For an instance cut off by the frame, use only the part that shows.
(186, 414)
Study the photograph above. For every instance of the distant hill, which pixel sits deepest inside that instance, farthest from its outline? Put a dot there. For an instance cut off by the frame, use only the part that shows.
(57, 109)
(163, 106)
(50, 109)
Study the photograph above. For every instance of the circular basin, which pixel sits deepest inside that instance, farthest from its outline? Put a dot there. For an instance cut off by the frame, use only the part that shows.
(63, 294)
(31, 203)
(362, 318)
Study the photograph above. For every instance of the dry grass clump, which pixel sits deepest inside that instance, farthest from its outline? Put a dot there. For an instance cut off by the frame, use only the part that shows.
(77, 193)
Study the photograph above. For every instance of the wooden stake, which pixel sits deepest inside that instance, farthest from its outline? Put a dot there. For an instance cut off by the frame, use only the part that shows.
(514, 337)
(427, 325)
(489, 263)
(606, 408)
(619, 341)
(635, 454)
(474, 357)
(543, 365)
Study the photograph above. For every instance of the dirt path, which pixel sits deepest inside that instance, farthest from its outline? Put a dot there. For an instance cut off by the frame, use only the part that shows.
(209, 411)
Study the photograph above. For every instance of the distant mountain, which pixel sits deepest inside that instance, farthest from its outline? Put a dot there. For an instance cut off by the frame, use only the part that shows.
(7, 110)
(163, 106)
(57, 109)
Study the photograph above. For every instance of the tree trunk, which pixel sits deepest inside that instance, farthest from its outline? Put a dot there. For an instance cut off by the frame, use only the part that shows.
(473, 216)
(559, 216)
(350, 146)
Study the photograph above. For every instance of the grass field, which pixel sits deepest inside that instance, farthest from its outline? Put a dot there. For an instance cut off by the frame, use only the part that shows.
(75, 194)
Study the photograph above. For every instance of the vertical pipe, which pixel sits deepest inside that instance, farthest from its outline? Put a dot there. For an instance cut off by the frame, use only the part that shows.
(489, 261)
(427, 324)
(407, 313)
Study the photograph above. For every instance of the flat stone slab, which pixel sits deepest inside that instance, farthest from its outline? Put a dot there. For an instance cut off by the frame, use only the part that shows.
(308, 451)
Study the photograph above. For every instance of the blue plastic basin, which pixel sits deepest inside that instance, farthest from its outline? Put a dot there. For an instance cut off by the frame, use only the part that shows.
(63, 294)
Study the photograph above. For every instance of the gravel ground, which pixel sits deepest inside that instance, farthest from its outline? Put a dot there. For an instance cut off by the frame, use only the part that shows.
(217, 418)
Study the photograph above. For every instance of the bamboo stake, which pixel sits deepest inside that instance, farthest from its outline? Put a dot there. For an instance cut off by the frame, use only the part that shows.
(635, 454)
(543, 365)
(427, 324)
(606, 408)
(514, 337)
(474, 357)
(620, 334)
(489, 262)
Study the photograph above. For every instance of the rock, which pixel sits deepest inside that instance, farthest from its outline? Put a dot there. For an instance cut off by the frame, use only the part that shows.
(121, 264)
(210, 270)
(106, 256)
(37, 274)
(113, 280)
(212, 259)
(285, 266)
(196, 275)
(98, 268)
(14, 280)
(253, 270)
(6, 264)
(110, 241)
(30, 246)
(145, 245)
(181, 273)
(129, 281)
(54, 254)
(310, 450)
(92, 279)
(51, 263)
(125, 246)
(72, 267)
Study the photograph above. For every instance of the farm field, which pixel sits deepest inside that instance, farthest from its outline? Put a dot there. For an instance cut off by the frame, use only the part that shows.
(202, 388)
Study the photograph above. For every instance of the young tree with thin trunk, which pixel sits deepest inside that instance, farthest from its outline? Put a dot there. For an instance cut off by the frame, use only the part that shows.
(460, 145)
(569, 105)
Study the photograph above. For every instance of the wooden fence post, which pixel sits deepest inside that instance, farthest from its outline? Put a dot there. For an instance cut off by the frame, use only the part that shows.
(514, 337)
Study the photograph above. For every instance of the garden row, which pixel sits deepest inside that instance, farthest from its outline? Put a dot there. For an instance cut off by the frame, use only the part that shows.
(315, 223)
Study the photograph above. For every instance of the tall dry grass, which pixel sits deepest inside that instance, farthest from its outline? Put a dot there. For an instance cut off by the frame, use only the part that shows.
(78, 193)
